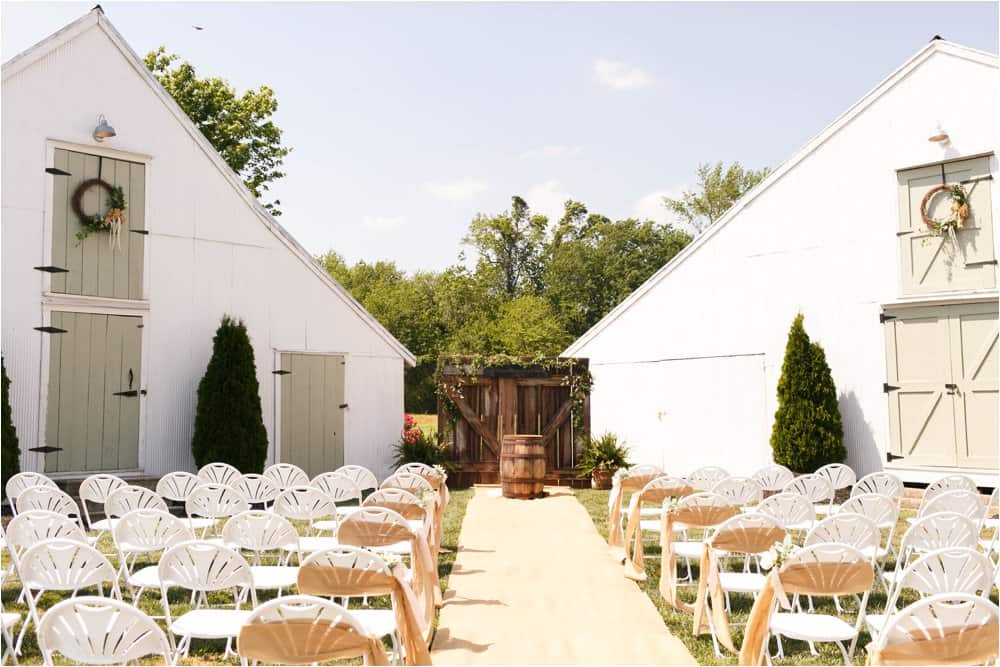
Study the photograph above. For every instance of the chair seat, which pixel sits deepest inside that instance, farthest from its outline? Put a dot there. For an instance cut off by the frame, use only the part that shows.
(268, 577)
(645, 511)
(326, 525)
(308, 545)
(811, 627)
(200, 523)
(824, 509)
(399, 548)
(9, 619)
(688, 549)
(379, 622)
(210, 623)
(103, 525)
(654, 525)
(875, 623)
(147, 577)
(742, 582)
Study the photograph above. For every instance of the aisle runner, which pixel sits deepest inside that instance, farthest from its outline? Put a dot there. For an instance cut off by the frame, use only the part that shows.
(533, 584)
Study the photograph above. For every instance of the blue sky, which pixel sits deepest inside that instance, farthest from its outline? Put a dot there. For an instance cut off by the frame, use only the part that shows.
(408, 119)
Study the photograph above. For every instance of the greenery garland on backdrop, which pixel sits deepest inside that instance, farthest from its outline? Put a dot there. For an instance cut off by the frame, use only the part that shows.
(113, 219)
(576, 376)
(957, 214)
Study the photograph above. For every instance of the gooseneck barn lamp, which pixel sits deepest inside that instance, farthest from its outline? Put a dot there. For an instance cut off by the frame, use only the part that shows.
(103, 130)
(939, 136)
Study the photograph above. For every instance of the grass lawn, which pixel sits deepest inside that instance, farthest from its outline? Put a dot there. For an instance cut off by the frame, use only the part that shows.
(680, 624)
(209, 652)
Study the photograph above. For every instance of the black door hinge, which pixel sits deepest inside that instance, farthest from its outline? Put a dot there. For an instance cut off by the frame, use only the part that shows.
(883, 318)
(130, 393)
(51, 269)
(46, 449)
(890, 457)
(983, 262)
(56, 171)
(281, 372)
(886, 387)
(52, 330)
(144, 232)
(343, 405)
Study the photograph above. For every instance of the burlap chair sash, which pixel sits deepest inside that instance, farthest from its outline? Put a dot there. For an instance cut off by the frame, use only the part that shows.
(616, 538)
(411, 621)
(968, 645)
(441, 488)
(406, 510)
(699, 516)
(304, 641)
(635, 564)
(750, 540)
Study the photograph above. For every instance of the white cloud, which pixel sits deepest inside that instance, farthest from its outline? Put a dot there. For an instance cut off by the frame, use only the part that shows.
(547, 198)
(650, 206)
(382, 223)
(621, 76)
(456, 190)
(552, 152)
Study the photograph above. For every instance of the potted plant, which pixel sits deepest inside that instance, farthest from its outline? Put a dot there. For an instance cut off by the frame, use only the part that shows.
(601, 458)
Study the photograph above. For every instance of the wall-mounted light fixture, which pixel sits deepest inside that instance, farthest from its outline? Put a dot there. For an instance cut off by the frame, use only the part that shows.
(939, 136)
(103, 130)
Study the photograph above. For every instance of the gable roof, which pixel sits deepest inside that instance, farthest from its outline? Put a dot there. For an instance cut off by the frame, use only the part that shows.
(96, 17)
(884, 86)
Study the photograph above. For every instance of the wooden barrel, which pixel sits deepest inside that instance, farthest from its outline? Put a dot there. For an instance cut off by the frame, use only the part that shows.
(522, 466)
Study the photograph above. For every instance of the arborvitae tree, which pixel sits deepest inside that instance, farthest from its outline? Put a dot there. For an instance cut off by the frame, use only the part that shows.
(228, 425)
(807, 429)
(10, 454)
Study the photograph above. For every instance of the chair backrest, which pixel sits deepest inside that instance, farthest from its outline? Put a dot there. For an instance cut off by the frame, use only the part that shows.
(258, 530)
(149, 530)
(788, 509)
(373, 527)
(704, 510)
(416, 469)
(96, 489)
(130, 498)
(215, 501)
(301, 629)
(817, 489)
(644, 469)
(48, 498)
(966, 503)
(29, 528)
(177, 486)
(773, 477)
(66, 565)
(204, 566)
(256, 488)
(839, 475)
(948, 483)
(398, 500)
(285, 475)
(880, 509)
(704, 478)
(93, 630)
(739, 490)
(21, 481)
(949, 570)
(883, 483)
(937, 531)
(658, 489)
(952, 628)
(304, 503)
(362, 476)
(408, 481)
(218, 473)
(343, 571)
(846, 528)
(747, 534)
(340, 488)
(828, 569)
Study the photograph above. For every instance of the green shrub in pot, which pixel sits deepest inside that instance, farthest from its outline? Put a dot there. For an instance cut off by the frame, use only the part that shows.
(601, 457)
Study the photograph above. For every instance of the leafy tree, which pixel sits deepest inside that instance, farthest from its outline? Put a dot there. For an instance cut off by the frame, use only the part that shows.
(718, 189)
(10, 452)
(240, 127)
(807, 431)
(528, 326)
(511, 243)
(228, 424)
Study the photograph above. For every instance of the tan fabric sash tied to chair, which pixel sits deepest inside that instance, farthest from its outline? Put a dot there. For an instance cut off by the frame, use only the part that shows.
(616, 538)
(635, 564)
(695, 516)
(948, 646)
(327, 580)
(304, 641)
(410, 511)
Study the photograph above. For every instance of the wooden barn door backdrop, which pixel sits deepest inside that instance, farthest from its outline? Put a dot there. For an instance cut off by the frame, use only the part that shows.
(511, 399)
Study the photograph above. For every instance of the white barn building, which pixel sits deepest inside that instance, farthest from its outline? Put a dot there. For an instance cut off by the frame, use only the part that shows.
(686, 368)
(105, 346)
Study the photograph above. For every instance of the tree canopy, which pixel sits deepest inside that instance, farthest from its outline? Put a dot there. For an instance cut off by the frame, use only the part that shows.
(718, 189)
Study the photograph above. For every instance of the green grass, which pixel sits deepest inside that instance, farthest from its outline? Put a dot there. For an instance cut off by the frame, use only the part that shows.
(680, 624)
(210, 652)
(427, 423)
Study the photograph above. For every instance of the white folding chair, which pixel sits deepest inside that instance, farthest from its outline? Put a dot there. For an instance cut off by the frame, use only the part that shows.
(377, 522)
(739, 491)
(257, 489)
(342, 490)
(948, 483)
(880, 509)
(363, 477)
(260, 533)
(792, 511)
(930, 533)
(215, 502)
(882, 483)
(637, 471)
(652, 494)
(307, 503)
(96, 489)
(401, 501)
(840, 477)
(407, 481)
(991, 524)
(100, 631)
(218, 473)
(204, 568)
(817, 489)
(62, 565)
(8, 619)
(966, 503)
(21, 481)
(773, 477)
(285, 475)
(143, 532)
(176, 487)
(51, 499)
(948, 570)
(704, 478)
(129, 498)
(416, 469)
(855, 530)
(690, 549)
(937, 629)
(29, 528)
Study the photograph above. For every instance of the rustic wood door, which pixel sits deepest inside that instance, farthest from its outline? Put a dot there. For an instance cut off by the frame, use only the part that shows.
(312, 411)
(95, 376)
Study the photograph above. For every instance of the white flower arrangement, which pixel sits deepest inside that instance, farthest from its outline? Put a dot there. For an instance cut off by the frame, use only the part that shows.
(778, 554)
(619, 475)
(670, 505)
(440, 472)
(427, 497)
(392, 560)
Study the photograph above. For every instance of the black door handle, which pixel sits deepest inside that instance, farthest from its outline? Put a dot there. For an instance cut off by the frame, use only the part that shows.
(951, 388)
(890, 457)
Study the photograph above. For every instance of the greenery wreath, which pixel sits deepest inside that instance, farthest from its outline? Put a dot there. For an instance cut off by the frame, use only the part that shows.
(958, 213)
(112, 221)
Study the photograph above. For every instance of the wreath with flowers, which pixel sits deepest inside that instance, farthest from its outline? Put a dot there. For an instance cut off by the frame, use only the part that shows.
(113, 219)
(957, 214)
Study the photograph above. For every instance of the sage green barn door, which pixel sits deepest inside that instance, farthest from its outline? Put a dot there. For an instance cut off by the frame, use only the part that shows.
(95, 374)
(975, 374)
(312, 411)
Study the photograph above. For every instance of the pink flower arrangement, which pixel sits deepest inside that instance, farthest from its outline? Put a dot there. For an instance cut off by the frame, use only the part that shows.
(411, 432)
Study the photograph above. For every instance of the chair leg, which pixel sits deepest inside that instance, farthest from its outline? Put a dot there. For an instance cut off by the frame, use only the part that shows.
(843, 652)
(812, 649)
